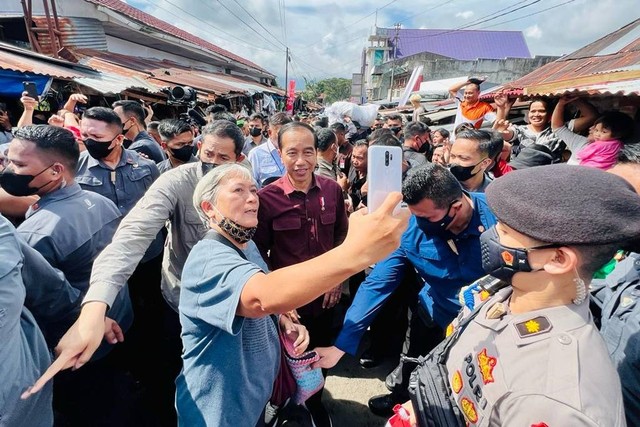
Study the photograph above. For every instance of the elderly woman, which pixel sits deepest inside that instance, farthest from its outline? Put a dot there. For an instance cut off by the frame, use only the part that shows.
(227, 301)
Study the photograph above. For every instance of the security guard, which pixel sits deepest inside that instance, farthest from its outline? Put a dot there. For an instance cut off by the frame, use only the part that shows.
(32, 295)
(530, 354)
(69, 227)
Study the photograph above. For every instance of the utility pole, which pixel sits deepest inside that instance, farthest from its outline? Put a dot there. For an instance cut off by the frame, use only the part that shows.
(286, 71)
(393, 66)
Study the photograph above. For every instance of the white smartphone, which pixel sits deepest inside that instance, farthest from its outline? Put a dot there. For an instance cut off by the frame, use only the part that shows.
(384, 174)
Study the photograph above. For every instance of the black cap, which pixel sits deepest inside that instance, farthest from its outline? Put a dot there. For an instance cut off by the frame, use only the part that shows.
(571, 205)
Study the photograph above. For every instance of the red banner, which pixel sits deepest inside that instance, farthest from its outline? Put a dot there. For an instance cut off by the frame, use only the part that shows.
(291, 96)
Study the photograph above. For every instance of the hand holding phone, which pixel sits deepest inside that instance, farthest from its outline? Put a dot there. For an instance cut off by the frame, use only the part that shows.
(31, 89)
(384, 174)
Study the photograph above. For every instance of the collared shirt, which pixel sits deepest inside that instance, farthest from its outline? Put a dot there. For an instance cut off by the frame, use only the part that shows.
(166, 165)
(69, 227)
(327, 169)
(543, 367)
(124, 185)
(250, 145)
(486, 180)
(294, 227)
(170, 198)
(145, 144)
(445, 264)
(265, 162)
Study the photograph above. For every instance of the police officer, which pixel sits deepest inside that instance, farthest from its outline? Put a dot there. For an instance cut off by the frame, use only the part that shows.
(69, 227)
(177, 141)
(530, 354)
(132, 117)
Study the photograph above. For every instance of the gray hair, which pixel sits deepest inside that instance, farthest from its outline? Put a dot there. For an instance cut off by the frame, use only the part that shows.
(208, 187)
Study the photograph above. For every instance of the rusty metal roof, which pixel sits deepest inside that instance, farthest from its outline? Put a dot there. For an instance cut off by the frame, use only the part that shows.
(615, 58)
(158, 74)
(25, 61)
(140, 16)
(76, 32)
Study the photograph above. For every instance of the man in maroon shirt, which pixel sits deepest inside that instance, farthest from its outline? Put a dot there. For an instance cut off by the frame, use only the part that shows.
(301, 216)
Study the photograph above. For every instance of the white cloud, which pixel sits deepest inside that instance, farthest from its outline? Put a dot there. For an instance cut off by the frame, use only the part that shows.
(533, 32)
(326, 38)
(465, 15)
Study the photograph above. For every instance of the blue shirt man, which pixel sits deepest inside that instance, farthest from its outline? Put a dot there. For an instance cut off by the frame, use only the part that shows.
(444, 263)
(266, 163)
(442, 244)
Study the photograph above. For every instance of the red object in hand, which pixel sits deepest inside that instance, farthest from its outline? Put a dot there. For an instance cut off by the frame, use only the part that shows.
(400, 417)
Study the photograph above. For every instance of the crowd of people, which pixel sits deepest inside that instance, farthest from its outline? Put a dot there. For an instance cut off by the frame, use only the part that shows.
(159, 272)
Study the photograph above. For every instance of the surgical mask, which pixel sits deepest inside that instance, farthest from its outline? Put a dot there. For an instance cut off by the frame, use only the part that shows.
(255, 131)
(98, 149)
(463, 173)
(502, 261)
(207, 167)
(18, 185)
(239, 233)
(183, 153)
(436, 228)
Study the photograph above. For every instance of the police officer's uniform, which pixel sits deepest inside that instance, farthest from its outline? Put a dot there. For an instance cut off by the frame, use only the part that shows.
(124, 185)
(70, 227)
(545, 367)
(540, 368)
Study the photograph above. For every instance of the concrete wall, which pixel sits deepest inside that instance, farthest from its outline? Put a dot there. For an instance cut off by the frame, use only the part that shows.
(498, 71)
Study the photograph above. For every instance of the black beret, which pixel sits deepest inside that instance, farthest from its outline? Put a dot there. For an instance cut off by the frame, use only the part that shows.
(570, 205)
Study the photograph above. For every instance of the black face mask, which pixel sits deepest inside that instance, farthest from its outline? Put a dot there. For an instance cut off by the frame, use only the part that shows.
(207, 167)
(437, 228)
(395, 129)
(255, 131)
(463, 173)
(183, 154)
(18, 185)
(502, 261)
(98, 149)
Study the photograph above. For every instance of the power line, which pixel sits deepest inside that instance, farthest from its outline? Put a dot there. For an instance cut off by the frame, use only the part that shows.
(258, 22)
(527, 16)
(201, 22)
(355, 22)
(425, 11)
(482, 20)
(240, 19)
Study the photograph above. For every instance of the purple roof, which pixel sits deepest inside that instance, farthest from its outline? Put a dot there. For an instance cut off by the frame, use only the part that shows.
(461, 44)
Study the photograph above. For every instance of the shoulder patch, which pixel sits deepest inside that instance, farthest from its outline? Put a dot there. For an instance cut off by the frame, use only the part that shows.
(536, 326)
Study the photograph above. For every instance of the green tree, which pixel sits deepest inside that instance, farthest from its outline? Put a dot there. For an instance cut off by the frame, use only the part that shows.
(327, 91)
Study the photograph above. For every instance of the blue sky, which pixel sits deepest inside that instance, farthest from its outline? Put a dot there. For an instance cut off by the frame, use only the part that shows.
(326, 38)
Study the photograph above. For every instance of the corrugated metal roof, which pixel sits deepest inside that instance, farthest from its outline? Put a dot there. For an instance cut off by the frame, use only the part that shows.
(76, 32)
(158, 74)
(138, 15)
(25, 61)
(460, 44)
(588, 70)
(601, 45)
